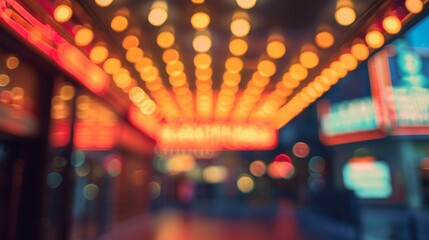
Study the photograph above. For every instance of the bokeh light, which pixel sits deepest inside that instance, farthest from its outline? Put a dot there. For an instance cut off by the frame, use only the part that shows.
(278, 169)
(301, 149)
(103, 3)
(54, 179)
(374, 39)
(200, 20)
(119, 23)
(246, 4)
(62, 13)
(245, 183)
(90, 191)
(324, 39)
(257, 168)
(215, 174)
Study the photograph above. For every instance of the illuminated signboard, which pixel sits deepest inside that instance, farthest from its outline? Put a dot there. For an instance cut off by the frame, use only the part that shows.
(216, 136)
(406, 87)
(397, 102)
(349, 116)
(353, 112)
(368, 179)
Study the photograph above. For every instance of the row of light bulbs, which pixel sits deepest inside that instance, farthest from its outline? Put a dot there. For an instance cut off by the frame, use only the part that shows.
(240, 27)
(343, 64)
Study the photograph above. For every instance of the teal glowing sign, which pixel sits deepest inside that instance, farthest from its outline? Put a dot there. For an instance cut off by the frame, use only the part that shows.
(349, 116)
(368, 179)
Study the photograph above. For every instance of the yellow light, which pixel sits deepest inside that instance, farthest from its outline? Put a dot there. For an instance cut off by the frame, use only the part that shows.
(246, 4)
(158, 14)
(83, 36)
(165, 39)
(170, 55)
(360, 51)
(330, 75)
(143, 64)
(12, 62)
(178, 81)
(349, 61)
(103, 3)
(234, 64)
(204, 73)
(215, 174)
(276, 49)
(175, 69)
(324, 39)
(63, 13)
(238, 47)
(202, 43)
(240, 27)
(198, 1)
(134, 55)
(4, 80)
(119, 23)
(298, 72)
(339, 68)
(202, 60)
(130, 41)
(374, 39)
(149, 74)
(147, 107)
(392, 24)
(98, 54)
(414, 6)
(200, 20)
(345, 14)
(231, 79)
(309, 59)
(259, 80)
(266, 68)
(245, 183)
(112, 65)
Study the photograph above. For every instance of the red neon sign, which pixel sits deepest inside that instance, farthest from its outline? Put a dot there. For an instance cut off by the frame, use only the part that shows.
(45, 39)
(216, 136)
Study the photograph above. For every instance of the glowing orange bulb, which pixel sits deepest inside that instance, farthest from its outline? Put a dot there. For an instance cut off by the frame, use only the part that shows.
(349, 61)
(309, 59)
(324, 39)
(83, 36)
(98, 54)
(165, 39)
(158, 13)
(134, 55)
(392, 24)
(130, 41)
(170, 55)
(298, 71)
(276, 49)
(200, 20)
(339, 68)
(374, 39)
(238, 47)
(234, 64)
(414, 6)
(360, 51)
(266, 68)
(63, 13)
(119, 23)
(240, 27)
(202, 60)
(202, 43)
(112, 65)
(246, 4)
